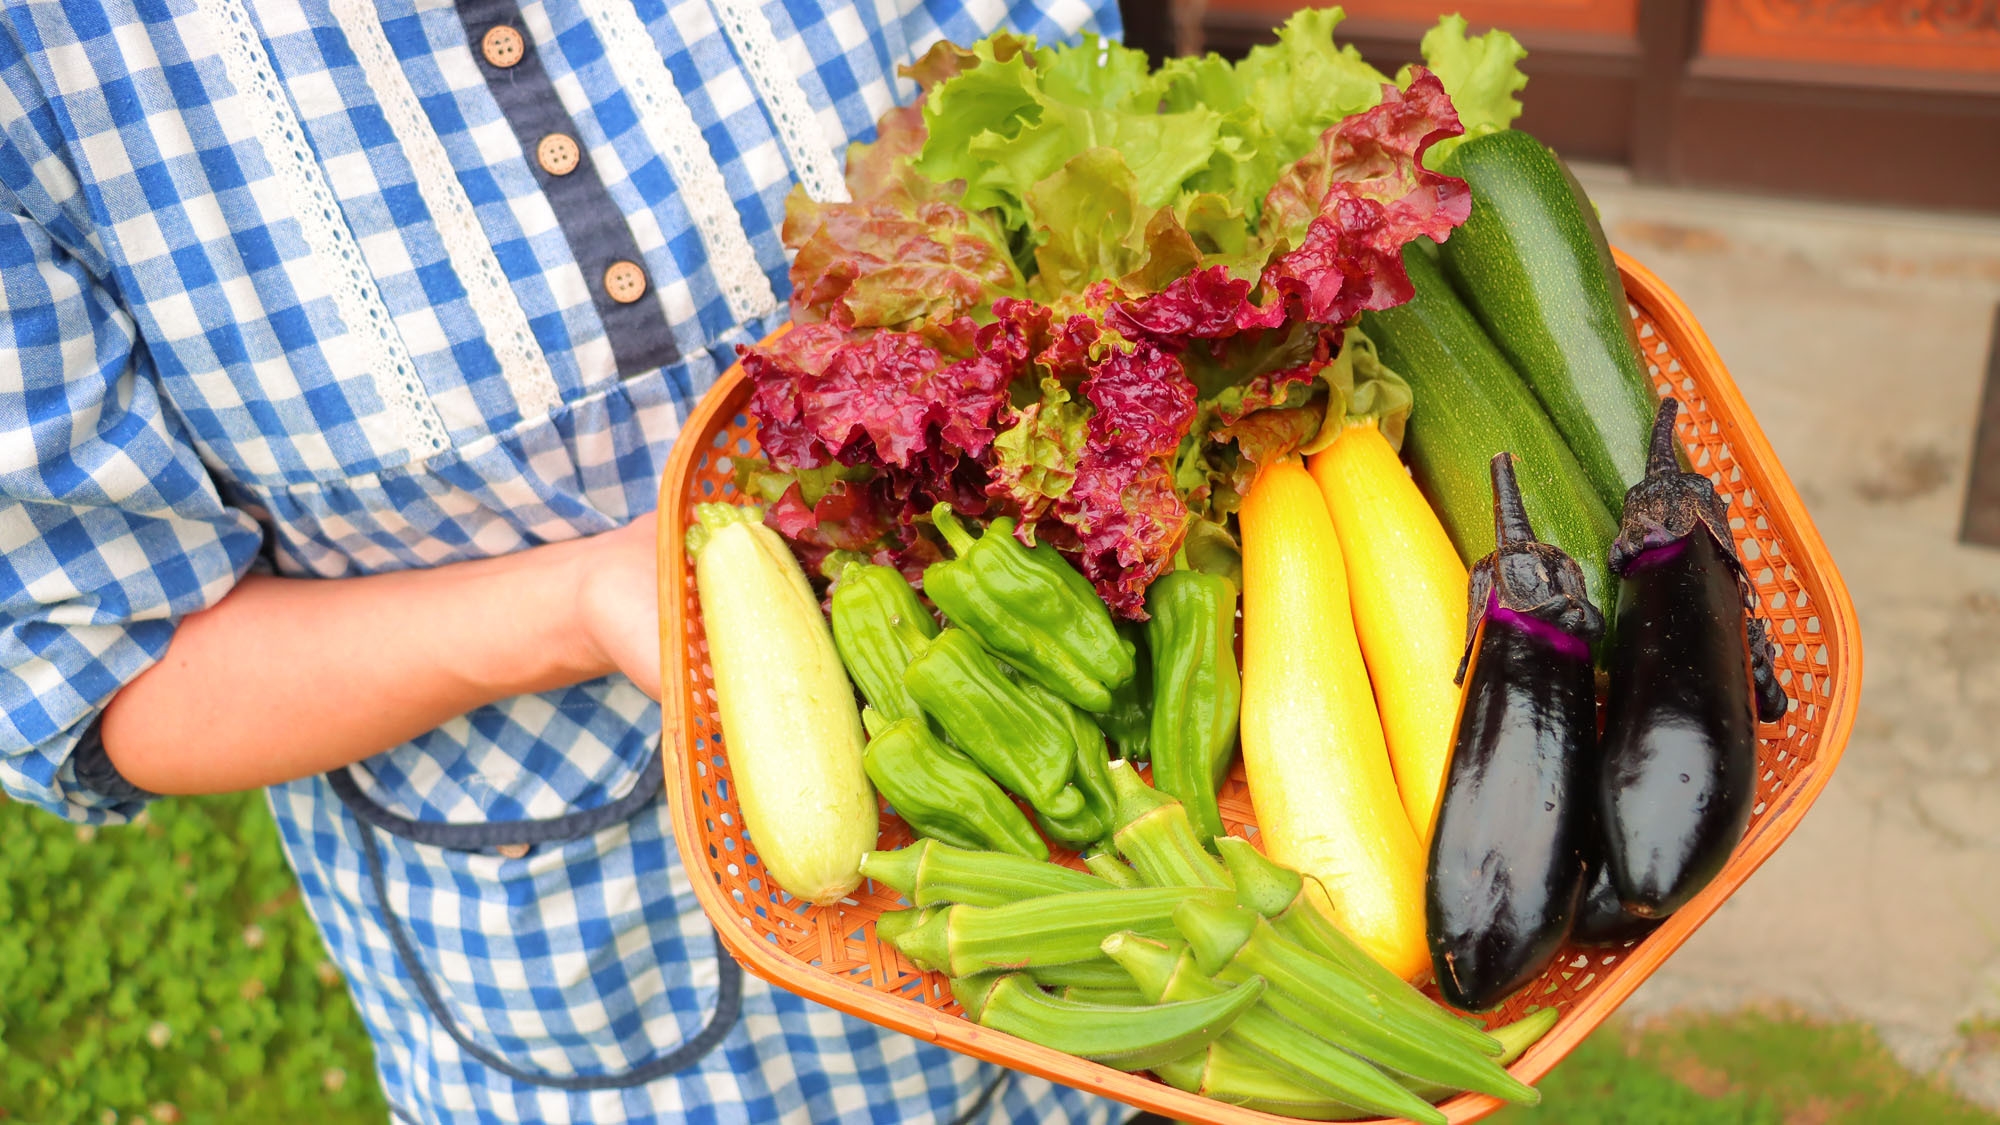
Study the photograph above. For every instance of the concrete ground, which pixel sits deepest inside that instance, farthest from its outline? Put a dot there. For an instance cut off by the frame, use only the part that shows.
(1860, 337)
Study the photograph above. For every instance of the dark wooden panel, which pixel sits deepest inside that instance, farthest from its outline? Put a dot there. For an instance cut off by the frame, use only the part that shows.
(1982, 494)
(1838, 142)
(1667, 30)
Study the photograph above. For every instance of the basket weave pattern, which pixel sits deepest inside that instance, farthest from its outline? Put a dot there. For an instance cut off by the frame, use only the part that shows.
(831, 953)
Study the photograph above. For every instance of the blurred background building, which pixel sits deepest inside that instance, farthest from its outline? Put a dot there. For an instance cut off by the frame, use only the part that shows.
(1885, 101)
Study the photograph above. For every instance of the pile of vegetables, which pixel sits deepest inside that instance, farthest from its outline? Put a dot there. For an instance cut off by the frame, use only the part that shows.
(1095, 348)
(1094, 298)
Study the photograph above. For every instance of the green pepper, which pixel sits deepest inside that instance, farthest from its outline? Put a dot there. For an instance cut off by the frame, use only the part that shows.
(1099, 818)
(879, 626)
(1129, 722)
(1196, 690)
(939, 792)
(1018, 740)
(1033, 608)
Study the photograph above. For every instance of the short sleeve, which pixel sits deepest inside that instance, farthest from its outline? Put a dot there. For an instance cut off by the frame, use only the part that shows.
(111, 529)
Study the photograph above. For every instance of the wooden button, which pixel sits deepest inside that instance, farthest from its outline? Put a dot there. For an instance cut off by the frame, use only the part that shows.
(502, 46)
(512, 851)
(558, 154)
(625, 281)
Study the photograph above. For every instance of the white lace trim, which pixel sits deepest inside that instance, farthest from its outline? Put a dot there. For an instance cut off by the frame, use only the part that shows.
(805, 143)
(501, 318)
(671, 129)
(356, 300)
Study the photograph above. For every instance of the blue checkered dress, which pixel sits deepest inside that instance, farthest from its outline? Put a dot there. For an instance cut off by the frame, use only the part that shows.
(298, 285)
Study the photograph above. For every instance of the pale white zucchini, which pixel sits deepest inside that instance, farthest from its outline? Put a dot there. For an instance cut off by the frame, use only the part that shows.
(790, 726)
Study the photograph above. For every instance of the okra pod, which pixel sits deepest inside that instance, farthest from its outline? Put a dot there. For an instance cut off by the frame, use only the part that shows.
(1053, 930)
(1166, 970)
(1514, 1038)
(1242, 1077)
(1278, 893)
(1128, 996)
(932, 873)
(1126, 1037)
(1315, 993)
(1184, 1073)
(1098, 972)
(893, 925)
(971, 992)
(1235, 1075)
(1155, 834)
(1105, 866)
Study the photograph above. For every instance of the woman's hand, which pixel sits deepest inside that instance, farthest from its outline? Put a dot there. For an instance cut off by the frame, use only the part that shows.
(618, 602)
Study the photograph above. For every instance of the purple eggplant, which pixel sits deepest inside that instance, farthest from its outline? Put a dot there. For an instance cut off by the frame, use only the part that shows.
(1600, 918)
(1506, 862)
(1690, 675)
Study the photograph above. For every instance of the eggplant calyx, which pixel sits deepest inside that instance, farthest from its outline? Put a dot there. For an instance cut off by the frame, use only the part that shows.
(1524, 575)
(1670, 504)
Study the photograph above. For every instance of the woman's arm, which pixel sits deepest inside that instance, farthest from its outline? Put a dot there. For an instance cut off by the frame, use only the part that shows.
(288, 677)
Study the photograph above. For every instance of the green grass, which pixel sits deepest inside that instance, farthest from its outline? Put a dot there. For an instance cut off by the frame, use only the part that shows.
(1743, 1068)
(166, 972)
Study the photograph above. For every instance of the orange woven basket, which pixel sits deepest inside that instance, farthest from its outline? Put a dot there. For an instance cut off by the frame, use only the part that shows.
(831, 953)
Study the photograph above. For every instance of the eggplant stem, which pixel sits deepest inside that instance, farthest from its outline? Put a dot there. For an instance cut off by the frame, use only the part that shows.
(1662, 460)
(1510, 513)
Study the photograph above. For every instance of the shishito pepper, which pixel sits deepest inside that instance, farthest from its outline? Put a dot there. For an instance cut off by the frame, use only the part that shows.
(1092, 776)
(1196, 689)
(879, 626)
(1019, 741)
(1033, 608)
(940, 793)
(1129, 722)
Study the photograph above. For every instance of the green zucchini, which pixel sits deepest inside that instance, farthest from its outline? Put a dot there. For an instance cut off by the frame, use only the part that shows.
(1533, 266)
(1470, 405)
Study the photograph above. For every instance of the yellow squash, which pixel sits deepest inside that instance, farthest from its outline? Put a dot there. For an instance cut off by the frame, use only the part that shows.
(1408, 591)
(1313, 751)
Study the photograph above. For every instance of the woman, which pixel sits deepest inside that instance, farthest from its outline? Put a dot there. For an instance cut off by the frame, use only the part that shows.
(342, 343)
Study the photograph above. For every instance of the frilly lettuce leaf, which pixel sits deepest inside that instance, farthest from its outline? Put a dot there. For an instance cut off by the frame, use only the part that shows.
(1093, 227)
(1482, 74)
(1018, 116)
(1366, 389)
(906, 251)
(1035, 458)
(1306, 83)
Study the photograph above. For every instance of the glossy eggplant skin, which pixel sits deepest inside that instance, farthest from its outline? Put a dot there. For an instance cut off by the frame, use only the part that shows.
(1506, 862)
(1679, 766)
(1600, 918)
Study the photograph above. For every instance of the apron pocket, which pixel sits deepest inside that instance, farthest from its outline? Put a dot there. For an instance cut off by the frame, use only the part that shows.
(556, 968)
